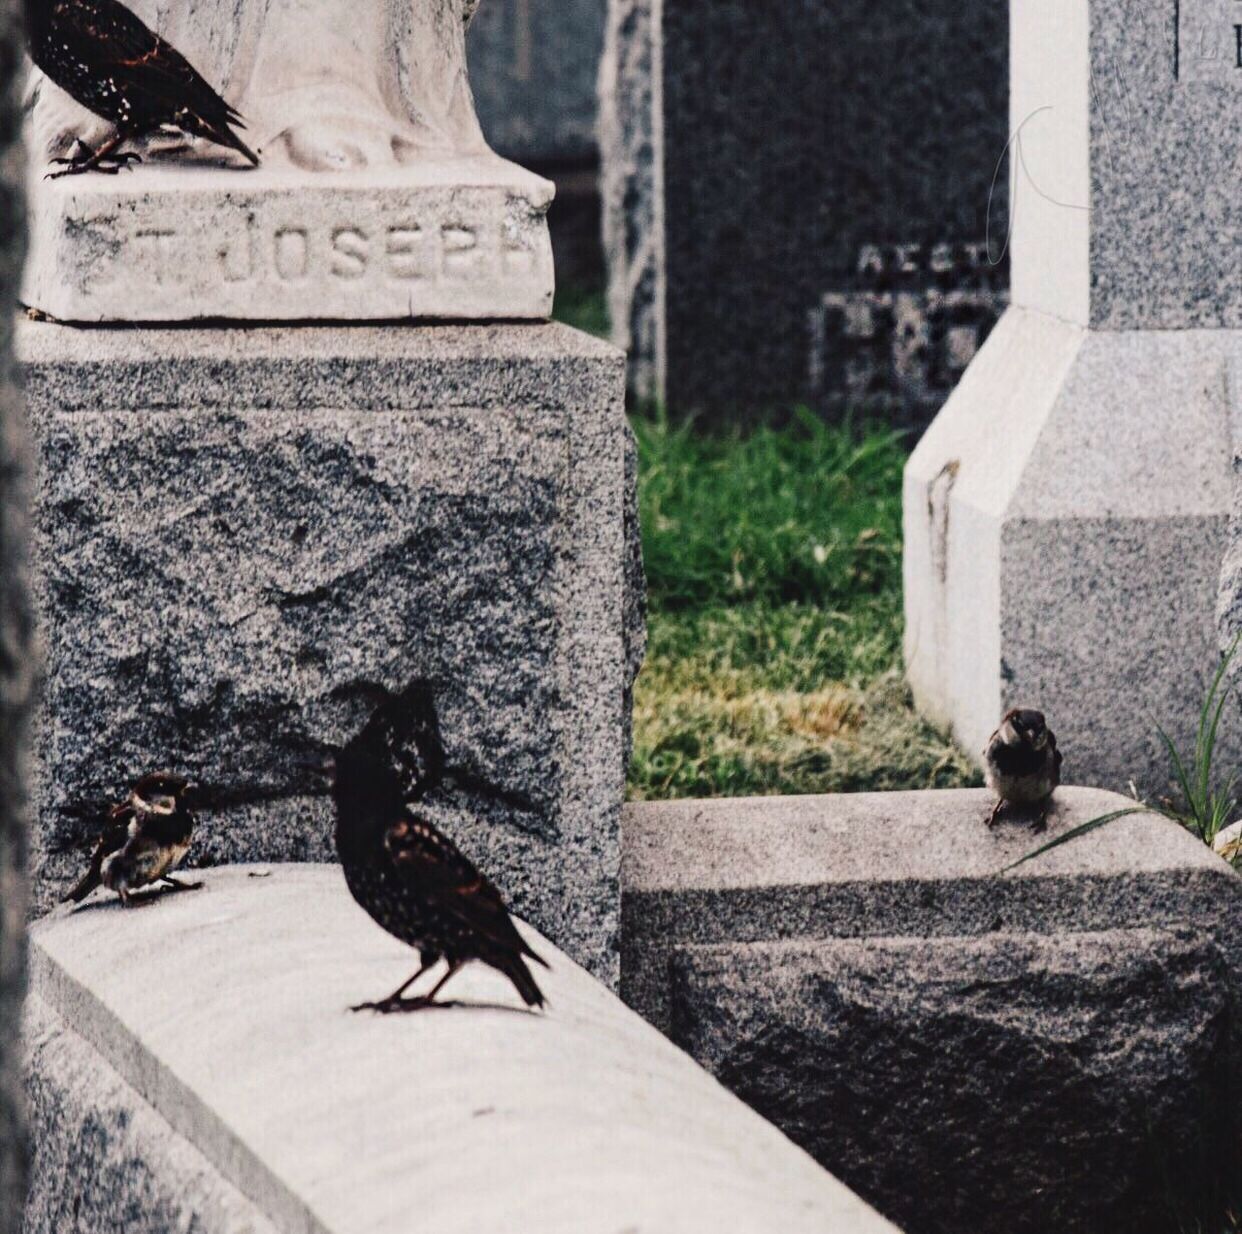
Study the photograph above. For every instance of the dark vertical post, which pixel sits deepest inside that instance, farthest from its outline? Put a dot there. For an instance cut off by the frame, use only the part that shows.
(16, 642)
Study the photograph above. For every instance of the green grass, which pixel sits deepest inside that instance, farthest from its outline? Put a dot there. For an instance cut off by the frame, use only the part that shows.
(774, 572)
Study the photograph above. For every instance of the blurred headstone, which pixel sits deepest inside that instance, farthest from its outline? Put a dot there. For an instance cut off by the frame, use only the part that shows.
(797, 199)
(533, 70)
(16, 643)
(534, 67)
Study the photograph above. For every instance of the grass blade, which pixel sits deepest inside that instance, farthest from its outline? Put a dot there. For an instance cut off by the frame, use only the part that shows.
(1074, 832)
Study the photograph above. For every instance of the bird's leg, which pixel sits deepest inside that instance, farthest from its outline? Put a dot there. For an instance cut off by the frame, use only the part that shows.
(1041, 820)
(103, 160)
(175, 884)
(996, 809)
(395, 1001)
(453, 968)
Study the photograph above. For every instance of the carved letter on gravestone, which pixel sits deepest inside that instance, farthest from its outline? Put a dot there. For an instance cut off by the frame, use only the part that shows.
(364, 121)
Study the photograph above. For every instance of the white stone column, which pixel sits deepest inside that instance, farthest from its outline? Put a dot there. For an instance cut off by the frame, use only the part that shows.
(1065, 516)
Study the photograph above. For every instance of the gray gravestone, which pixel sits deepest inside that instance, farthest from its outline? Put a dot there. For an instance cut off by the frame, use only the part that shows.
(16, 639)
(244, 537)
(797, 199)
(1066, 515)
(533, 70)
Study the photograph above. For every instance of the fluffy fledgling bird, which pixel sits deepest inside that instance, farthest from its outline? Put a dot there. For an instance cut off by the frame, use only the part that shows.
(1022, 764)
(107, 59)
(412, 879)
(146, 837)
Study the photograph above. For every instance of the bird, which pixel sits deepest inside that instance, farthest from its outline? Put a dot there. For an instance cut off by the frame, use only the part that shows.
(1022, 764)
(106, 58)
(146, 836)
(413, 880)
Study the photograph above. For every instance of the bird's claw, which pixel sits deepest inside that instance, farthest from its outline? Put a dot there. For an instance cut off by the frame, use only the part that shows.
(387, 1006)
(108, 164)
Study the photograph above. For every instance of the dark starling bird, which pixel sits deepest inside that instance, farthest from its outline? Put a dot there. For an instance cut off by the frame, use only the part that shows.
(146, 836)
(110, 62)
(1022, 764)
(414, 881)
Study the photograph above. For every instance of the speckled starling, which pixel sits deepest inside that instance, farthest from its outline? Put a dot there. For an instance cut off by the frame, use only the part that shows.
(146, 836)
(110, 62)
(1022, 764)
(415, 882)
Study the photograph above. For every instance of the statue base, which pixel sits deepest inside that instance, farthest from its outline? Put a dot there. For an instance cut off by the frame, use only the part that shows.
(452, 237)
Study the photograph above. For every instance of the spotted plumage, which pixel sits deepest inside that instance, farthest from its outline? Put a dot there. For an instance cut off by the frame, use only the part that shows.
(145, 838)
(1022, 764)
(102, 55)
(412, 879)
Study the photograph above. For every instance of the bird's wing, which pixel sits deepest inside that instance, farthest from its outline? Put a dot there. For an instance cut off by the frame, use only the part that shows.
(144, 66)
(115, 833)
(448, 879)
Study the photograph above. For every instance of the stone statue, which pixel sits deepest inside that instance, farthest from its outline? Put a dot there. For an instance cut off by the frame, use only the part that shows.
(323, 84)
(377, 195)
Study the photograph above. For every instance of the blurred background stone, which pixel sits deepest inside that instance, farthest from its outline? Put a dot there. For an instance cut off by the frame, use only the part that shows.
(798, 197)
(17, 657)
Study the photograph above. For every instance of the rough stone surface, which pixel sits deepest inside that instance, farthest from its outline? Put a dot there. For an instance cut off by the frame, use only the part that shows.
(103, 1158)
(242, 534)
(940, 1033)
(16, 638)
(533, 69)
(580, 1119)
(858, 865)
(377, 196)
(1000, 1084)
(818, 231)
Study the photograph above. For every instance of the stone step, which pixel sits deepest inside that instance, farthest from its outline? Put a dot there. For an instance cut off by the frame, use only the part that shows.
(196, 1056)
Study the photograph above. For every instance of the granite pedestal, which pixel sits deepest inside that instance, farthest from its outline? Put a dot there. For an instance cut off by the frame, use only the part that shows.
(797, 199)
(1051, 1048)
(244, 537)
(1066, 515)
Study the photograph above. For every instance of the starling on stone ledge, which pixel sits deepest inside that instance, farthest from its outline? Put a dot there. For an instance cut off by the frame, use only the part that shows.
(147, 835)
(1022, 764)
(110, 62)
(414, 881)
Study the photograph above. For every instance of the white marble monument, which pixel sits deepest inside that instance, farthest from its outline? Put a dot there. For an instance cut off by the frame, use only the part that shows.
(377, 196)
(1066, 516)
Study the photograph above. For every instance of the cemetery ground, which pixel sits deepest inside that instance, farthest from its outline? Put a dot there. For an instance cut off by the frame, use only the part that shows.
(773, 562)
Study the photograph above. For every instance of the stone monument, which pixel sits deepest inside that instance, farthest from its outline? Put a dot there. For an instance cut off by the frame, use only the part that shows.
(17, 658)
(377, 196)
(1066, 514)
(796, 200)
(246, 536)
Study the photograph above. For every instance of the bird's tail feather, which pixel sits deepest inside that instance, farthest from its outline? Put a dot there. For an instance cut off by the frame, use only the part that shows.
(223, 135)
(90, 881)
(517, 972)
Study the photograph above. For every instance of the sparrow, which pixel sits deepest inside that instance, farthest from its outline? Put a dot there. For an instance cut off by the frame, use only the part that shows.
(146, 836)
(107, 59)
(412, 879)
(1021, 763)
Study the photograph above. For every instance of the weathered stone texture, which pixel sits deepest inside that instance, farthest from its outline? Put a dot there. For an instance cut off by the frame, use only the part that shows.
(971, 1049)
(243, 538)
(1003, 1084)
(798, 199)
(104, 1159)
(16, 636)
